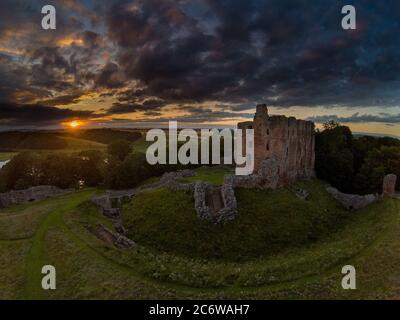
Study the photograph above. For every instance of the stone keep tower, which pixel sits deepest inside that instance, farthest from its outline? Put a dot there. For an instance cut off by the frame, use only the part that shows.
(289, 141)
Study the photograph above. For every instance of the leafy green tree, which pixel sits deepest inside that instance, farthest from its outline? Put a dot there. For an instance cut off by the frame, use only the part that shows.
(28, 169)
(22, 171)
(96, 156)
(378, 163)
(330, 125)
(334, 161)
(61, 170)
(111, 178)
(128, 173)
(365, 144)
(91, 167)
(119, 149)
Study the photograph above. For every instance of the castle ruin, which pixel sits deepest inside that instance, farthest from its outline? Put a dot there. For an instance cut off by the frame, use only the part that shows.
(290, 142)
(283, 154)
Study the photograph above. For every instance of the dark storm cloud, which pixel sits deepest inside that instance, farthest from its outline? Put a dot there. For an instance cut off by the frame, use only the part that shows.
(62, 100)
(283, 52)
(147, 106)
(110, 76)
(91, 39)
(35, 64)
(150, 54)
(50, 68)
(31, 114)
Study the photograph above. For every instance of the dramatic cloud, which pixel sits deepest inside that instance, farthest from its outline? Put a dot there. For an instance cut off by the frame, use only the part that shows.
(285, 53)
(219, 56)
(37, 114)
(359, 118)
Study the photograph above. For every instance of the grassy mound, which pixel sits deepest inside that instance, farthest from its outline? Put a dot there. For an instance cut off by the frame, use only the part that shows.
(267, 222)
(213, 175)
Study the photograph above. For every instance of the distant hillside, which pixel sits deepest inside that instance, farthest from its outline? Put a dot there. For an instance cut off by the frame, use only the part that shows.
(31, 140)
(375, 135)
(375, 141)
(106, 136)
(34, 140)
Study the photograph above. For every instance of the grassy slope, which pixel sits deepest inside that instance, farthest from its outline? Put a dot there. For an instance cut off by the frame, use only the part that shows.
(81, 144)
(166, 221)
(213, 175)
(74, 145)
(86, 268)
(141, 145)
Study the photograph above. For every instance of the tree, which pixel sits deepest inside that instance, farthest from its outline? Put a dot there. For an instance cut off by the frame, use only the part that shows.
(378, 163)
(90, 168)
(334, 161)
(119, 149)
(61, 170)
(365, 144)
(330, 125)
(128, 173)
(22, 171)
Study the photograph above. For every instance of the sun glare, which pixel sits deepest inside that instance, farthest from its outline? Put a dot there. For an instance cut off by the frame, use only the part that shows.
(74, 124)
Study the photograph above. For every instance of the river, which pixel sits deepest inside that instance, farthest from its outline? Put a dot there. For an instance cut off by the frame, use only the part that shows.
(3, 163)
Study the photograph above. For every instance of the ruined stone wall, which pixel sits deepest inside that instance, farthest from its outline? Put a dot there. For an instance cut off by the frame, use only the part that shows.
(288, 140)
(351, 201)
(36, 193)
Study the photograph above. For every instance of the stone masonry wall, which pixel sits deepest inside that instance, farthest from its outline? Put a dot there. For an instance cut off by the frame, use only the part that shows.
(15, 197)
(288, 140)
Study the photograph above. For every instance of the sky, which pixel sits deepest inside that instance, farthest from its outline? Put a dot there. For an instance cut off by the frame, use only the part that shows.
(205, 62)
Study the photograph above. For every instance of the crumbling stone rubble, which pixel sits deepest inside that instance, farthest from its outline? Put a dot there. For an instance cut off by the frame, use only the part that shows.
(216, 204)
(389, 185)
(105, 202)
(15, 197)
(301, 193)
(200, 191)
(112, 238)
(351, 201)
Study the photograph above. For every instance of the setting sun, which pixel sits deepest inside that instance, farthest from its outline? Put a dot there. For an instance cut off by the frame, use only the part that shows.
(74, 124)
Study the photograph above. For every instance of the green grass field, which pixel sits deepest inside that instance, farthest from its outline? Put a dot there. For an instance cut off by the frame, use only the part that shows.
(278, 247)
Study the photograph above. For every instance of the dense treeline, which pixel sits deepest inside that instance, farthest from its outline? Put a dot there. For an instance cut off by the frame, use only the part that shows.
(119, 168)
(352, 164)
(28, 169)
(355, 164)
